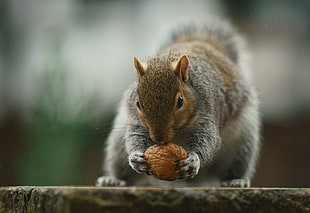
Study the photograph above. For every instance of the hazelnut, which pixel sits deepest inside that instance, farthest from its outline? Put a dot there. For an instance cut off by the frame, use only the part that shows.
(164, 160)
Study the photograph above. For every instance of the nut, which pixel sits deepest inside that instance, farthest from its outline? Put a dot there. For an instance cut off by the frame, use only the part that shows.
(164, 160)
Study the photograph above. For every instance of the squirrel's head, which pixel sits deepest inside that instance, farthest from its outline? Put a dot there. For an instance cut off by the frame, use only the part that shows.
(164, 103)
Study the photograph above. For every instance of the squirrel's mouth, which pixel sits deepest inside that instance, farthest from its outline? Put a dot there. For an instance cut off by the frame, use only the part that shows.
(159, 137)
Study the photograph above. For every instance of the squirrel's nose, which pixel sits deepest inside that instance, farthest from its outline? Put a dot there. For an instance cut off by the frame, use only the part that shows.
(159, 138)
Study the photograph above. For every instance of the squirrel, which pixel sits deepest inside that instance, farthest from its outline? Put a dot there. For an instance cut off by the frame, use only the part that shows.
(196, 92)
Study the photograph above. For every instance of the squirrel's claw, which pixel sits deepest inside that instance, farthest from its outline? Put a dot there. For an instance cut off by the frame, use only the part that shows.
(109, 181)
(138, 163)
(190, 166)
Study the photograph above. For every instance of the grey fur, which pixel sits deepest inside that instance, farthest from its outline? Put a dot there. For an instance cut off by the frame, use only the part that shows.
(223, 143)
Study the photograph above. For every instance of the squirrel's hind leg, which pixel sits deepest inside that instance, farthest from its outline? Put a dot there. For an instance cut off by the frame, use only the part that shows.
(236, 183)
(242, 148)
(115, 168)
(109, 181)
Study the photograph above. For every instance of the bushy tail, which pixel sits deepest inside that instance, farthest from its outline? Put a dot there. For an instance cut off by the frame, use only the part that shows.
(220, 35)
(223, 37)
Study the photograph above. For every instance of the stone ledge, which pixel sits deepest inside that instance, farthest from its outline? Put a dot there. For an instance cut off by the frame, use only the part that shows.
(152, 199)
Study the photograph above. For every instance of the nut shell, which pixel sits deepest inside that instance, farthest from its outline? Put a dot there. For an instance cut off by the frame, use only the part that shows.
(164, 160)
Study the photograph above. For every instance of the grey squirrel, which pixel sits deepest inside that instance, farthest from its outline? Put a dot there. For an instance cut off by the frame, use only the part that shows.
(196, 92)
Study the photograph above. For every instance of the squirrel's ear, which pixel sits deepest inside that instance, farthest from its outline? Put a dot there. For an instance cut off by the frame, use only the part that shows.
(181, 68)
(140, 66)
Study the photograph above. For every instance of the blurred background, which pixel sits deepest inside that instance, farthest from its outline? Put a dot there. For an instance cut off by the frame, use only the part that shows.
(65, 63)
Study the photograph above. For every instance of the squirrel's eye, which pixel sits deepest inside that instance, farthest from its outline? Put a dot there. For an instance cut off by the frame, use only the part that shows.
(138, 105)
(180, 102)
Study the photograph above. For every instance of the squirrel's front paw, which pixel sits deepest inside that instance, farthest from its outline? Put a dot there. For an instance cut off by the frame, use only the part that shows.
(109, 181)
(190, 166)
(138, 162)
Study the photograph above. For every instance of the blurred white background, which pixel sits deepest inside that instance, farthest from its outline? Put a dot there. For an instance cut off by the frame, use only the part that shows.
(65, 63)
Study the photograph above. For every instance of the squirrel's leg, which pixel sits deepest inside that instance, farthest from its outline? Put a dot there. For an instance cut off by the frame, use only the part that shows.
(241, 168)
(115, 167)
(237, 172)
(242, 138)
(137, 141)
(242, 165)
(202, 143)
